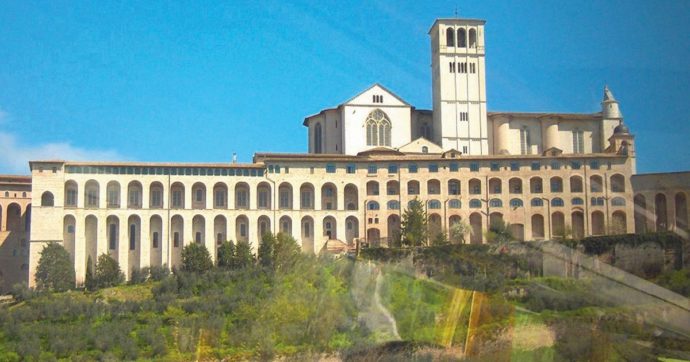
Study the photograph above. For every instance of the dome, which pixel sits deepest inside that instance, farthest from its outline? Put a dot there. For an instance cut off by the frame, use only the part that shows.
(621, 129)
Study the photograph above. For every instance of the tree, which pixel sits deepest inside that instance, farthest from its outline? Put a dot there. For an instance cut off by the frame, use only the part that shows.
(226, 255)
(414, 224)
(90, 280)
(55, 271)
(458, 231)
(285, 251)
(266, 250)
(108, 273)
(195, 258)
(243, 255)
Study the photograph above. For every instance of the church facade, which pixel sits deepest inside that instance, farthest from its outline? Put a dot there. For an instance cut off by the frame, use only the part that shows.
(547, 175)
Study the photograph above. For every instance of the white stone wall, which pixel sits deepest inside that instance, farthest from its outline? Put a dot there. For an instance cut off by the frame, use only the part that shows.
(49, 224)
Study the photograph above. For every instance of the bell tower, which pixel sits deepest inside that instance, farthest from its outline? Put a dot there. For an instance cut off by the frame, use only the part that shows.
(459, 85)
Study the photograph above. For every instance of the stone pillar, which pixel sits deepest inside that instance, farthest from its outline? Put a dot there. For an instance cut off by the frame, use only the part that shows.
(145, 242)
(79, 249)
(123, 246)
(210, 238)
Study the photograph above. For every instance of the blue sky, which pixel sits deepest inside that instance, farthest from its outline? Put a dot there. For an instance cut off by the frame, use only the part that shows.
(195, 82)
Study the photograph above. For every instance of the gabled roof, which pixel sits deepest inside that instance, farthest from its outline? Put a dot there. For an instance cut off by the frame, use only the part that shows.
(381, 150)
(451, 153)
(436, 149)
(306, 119)
(380, 86)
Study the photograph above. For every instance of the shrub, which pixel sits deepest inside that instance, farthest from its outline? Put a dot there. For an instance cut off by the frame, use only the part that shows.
(195, 258)
(55, 271)
(21, 292)
(158, 273)
(108, 272)
(139, 275)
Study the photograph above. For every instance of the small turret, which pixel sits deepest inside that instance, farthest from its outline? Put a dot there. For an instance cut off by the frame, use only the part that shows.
(609, 106)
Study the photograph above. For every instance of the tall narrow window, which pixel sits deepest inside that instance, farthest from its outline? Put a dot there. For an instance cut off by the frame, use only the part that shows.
(176, 239)
(524, 141)
(385, 133)
(450, 37)
(317, 138)
(462, 38)
(156, 198)
(473, 38)
(578, 141)
(113, 236)
(177, 198)
(155, 239)
(132, 237)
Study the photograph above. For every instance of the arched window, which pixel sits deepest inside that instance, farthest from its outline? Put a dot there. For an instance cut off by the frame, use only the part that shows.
(453, 187)
(378, 128)
(393, 205)
(372, 205)
(536, 202)
(475, 187)
(596, 184)
(434, 204)
(473, 38)
(618, 201)
(317, 138)
(475, 204)
(576, 184)
(495, 203)
(454, 204)
(516, 203)
(578, 201)
(372, 132)
(462, 38)
(618, 183)
(47, 199)
(495, 186)
(535, 185)
(112, 196)
(556, 184)
(91, 194)
(70, 194)
(385, 133)
(425, 149)
(450, 37)
(433, 187)
(557, 202)
(515, 185)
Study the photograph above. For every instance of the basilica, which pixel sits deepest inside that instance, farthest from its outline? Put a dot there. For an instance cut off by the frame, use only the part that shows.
(546, 175)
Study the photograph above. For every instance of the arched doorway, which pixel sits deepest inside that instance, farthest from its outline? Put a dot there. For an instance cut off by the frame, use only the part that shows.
(351, 229)
(330, 228)
(577, 220)
(476, 224)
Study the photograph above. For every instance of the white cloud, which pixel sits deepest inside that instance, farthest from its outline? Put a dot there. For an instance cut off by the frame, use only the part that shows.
(15, 156)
